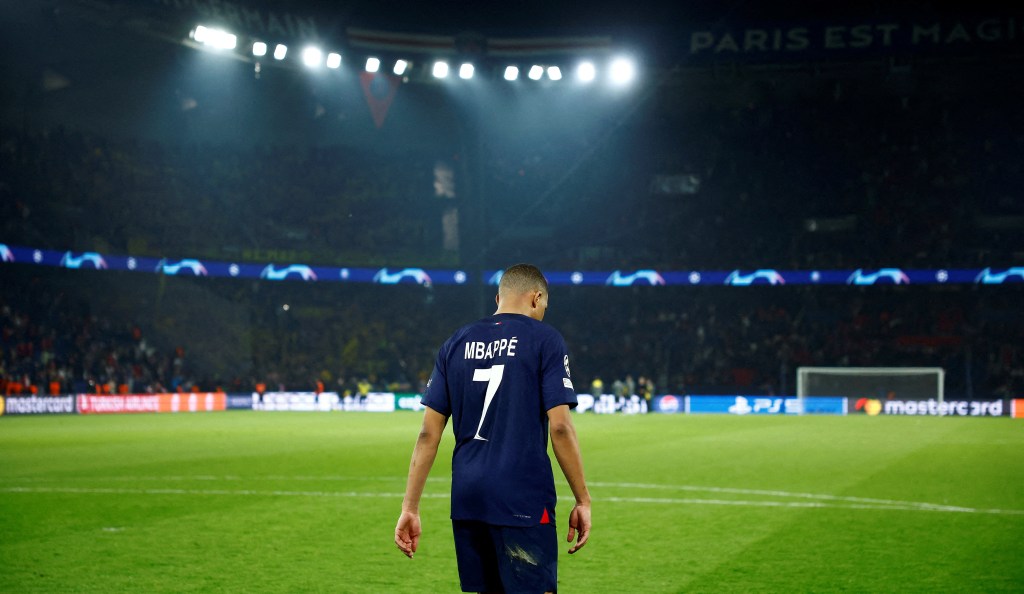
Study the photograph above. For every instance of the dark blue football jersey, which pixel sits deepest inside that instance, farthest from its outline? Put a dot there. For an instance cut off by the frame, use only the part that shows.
(497, 378)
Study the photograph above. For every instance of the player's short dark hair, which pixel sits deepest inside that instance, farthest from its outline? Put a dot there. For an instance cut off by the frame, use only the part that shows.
(520, 278)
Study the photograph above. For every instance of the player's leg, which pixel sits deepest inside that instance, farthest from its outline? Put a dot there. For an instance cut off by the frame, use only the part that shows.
(476, 556)
(528, 558)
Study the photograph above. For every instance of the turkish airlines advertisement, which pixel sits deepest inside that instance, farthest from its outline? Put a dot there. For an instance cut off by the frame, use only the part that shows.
(96, 404)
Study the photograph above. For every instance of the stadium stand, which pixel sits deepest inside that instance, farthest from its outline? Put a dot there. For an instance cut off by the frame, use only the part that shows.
(917, 174)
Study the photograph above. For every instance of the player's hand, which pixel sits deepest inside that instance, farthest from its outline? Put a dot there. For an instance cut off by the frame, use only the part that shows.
(407, 533)
(579, 526)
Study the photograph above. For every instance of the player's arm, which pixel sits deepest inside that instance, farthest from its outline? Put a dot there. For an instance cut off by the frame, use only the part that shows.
(407, 532)
(570, 460)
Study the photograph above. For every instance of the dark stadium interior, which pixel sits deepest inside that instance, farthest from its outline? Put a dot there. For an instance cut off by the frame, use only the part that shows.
(117, 138)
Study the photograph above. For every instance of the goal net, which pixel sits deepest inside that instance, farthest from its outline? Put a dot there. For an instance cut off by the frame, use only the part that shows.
(879, 383)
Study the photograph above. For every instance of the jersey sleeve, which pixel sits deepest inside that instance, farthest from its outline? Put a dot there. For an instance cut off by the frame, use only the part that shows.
(436, 394)
(556, 384)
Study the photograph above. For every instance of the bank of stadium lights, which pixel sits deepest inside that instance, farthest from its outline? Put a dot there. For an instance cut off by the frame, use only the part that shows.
(586, 72)
(620, 71)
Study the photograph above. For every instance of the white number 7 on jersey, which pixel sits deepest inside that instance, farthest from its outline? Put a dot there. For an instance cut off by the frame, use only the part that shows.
(491, 375)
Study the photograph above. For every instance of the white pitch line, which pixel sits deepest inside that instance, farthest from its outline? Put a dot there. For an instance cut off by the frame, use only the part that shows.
(650, 500)
(883, 503)
(771, 493)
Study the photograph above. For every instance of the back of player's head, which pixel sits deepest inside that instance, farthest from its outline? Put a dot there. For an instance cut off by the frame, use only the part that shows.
(522, 278)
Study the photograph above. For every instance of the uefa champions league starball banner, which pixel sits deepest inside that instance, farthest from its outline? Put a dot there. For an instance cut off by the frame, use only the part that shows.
(276, 271)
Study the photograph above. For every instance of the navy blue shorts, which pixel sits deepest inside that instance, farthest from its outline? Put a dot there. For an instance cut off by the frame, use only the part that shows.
(506, 559)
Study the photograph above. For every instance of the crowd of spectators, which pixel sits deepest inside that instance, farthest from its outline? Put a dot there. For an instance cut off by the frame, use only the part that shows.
(753, 340)
(65, 188)
(352, 339)
(805, 174)
(837, 174)
(52, 343)
(809, 174)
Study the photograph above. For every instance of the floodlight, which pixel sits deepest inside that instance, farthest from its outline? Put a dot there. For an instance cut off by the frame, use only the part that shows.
(466, 71)
(400, 67)
(536, 72)
(586, 72)
(440, 69)
(511, 72)
(259, 49)
(215, 38)
(554, 73)
(622, 70)
(312, 56)
(372, 64)
(226, 40)
(333, 60)
(280, 51)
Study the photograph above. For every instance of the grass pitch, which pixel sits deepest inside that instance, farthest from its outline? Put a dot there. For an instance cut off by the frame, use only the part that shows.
(307, 502)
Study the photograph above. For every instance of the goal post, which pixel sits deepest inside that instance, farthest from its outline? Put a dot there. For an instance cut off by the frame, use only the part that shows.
(880, 383)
